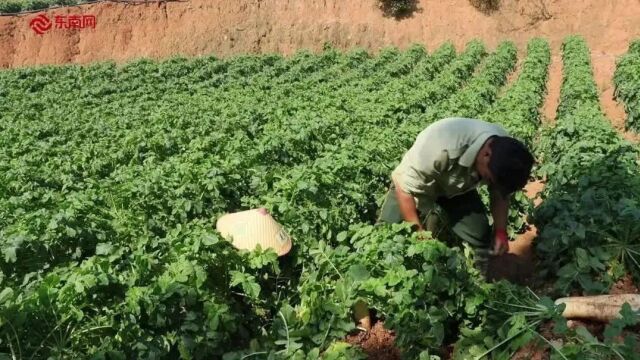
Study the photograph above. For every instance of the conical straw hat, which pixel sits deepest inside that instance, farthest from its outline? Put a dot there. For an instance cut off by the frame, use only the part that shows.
(247, 229)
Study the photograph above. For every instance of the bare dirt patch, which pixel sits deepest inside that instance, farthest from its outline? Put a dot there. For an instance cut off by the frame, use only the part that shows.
(554, 84)
(531, 351)
(533, 190)
(377, 343)
(603, 68)
(625, 285)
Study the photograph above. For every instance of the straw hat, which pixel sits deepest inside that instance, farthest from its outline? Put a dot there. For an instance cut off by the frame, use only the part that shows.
(247, 229)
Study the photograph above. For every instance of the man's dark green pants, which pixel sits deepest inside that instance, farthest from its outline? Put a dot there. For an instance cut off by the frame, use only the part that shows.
(465, 215)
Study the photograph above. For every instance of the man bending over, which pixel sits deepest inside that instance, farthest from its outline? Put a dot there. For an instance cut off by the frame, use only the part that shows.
(445, 165)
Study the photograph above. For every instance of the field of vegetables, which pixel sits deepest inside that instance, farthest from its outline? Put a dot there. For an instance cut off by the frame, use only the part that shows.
(112, 177)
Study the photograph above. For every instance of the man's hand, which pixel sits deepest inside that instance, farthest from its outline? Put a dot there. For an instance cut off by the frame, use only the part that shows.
(501, 242)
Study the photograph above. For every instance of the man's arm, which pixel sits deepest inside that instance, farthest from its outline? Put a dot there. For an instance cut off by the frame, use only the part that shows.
(500, 213)
(407, 207)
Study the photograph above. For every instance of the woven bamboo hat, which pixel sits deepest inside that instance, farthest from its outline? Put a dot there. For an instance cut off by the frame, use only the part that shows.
(247, 229)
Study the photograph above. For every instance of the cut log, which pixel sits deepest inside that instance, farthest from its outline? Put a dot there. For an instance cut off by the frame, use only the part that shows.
(599, 308)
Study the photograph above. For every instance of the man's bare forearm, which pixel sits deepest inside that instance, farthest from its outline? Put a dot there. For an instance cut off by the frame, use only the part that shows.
(408, 207)
(499, 210)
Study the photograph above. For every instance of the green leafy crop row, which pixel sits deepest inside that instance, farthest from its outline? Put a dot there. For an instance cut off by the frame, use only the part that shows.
(590, 216)
(627, 85)
(515, 317)
(518, 111)
(483, 89)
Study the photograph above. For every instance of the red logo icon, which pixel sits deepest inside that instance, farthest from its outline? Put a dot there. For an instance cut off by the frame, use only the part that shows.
(40, 24)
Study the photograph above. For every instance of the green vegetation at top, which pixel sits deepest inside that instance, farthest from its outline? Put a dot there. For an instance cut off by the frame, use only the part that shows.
(486, 6)
(634, 47)
(16, 6)
(398, 8)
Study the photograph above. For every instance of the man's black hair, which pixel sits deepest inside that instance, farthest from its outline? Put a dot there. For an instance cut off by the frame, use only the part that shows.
(510, 163)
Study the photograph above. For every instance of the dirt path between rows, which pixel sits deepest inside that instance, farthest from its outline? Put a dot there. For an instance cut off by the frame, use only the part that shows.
(552, 100)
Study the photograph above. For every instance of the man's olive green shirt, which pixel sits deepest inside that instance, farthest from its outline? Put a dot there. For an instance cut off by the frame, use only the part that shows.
(441, 161)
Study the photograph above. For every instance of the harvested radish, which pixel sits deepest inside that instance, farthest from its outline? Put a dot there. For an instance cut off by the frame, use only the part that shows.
(599, 308)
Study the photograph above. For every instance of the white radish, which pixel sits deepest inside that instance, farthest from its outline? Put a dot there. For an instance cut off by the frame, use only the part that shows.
(600, 308)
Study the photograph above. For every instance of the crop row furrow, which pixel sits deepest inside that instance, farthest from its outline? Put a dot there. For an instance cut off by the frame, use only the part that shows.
(518, 111)
(627, 85)
(590, 213)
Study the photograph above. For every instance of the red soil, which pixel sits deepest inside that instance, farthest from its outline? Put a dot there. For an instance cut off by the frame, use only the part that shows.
(377, 343)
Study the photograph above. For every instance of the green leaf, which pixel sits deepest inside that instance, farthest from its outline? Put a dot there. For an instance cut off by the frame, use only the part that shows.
(582, 258)
(70, 232)
(560, 326)
(380, 290)
(613, 329)
(547, 302)
(438, 332)
(472, 303)
(359, 272)
(586, 335)
(568, 271)
(314, 354)
(10, 254)
(5, 295)
(629, 316)
(104, 249)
